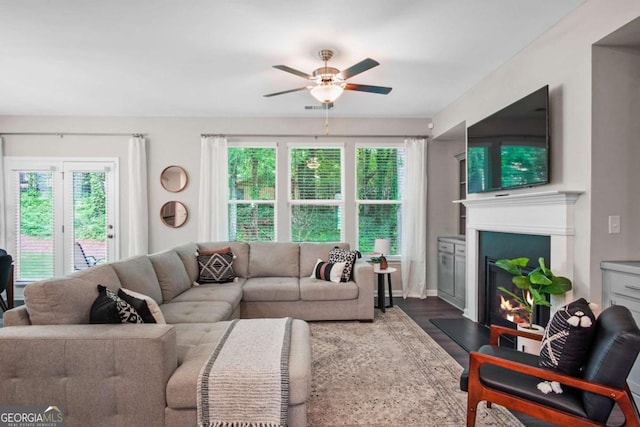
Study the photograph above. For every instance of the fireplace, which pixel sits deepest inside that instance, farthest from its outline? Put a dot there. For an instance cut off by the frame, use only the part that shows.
(494, 306)
(550, 214)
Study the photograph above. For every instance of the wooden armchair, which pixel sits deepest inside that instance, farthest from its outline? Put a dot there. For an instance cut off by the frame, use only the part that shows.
(510, 378)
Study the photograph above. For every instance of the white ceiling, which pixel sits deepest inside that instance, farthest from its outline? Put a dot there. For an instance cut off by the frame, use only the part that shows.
(214, 57)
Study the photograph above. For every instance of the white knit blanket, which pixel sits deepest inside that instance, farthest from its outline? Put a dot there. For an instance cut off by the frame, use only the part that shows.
(245, 382)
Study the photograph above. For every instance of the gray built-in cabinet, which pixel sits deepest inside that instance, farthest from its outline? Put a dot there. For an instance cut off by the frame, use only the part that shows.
(621, 286)
(451, 270)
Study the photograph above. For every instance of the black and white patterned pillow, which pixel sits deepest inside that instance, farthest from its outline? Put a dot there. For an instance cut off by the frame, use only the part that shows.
(216, 268)
(567, 338)
(109, 308)
(343, 255)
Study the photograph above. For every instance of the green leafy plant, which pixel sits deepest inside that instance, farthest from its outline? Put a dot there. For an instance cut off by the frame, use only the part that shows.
(534, 286)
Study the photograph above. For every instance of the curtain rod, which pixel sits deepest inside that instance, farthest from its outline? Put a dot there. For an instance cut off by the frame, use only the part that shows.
(302, 135)
(62, 134)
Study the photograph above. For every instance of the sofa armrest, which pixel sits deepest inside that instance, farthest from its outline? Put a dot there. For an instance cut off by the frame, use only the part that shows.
(18, 316)
(98, 374)
(363, 277)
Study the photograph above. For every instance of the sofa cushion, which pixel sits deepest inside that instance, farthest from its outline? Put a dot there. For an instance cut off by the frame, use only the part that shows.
(310, 252)
(187, 254)
(68, 300)
(227, 292)
(239, 249)
(137, 274)
(181, 390)
(172, 276)
(274, 259)
(314, 290)
(271, 289)
(196, 311)
(216, 267)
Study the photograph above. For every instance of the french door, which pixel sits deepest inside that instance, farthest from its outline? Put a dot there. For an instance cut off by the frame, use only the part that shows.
(61, 215)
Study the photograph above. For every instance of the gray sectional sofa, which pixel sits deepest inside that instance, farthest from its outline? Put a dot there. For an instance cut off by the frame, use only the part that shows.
(130, 375)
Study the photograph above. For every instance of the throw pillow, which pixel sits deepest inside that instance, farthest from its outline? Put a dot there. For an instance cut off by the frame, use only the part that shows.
(153, 306)
(109, 308)
(331, 272)
(567, 338)
(103, 309)
(140, 305)
(216, 268)
(343, 255)
(214, 251)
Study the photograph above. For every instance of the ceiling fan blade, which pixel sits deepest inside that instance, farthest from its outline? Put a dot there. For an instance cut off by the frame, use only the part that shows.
(286, 91)
(358, 68)
(367, 88)
(294, 71)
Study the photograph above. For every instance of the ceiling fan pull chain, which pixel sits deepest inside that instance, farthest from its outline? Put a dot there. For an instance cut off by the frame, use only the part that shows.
(326, 121)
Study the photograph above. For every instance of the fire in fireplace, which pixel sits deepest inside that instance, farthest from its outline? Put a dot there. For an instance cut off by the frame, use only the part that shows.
(503, 310)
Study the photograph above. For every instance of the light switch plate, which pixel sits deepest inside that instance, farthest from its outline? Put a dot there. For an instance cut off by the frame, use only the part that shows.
(614, 224)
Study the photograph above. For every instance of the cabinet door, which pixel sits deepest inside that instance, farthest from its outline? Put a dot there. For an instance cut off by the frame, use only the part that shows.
(445, 273)
(459, 280)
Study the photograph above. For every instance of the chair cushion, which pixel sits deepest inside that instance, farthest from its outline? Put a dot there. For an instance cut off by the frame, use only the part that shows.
(316, 290)
(521, 385)
(271, 289)
(187, 253)
(613, 352)
(567, 338)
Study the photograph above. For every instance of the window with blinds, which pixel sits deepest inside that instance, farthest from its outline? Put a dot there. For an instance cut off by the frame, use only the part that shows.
(35, 219)
(252, 193)
(316, 194)
(380, 175)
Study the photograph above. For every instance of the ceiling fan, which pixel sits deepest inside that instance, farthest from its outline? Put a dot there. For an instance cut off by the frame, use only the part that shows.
(329, 83)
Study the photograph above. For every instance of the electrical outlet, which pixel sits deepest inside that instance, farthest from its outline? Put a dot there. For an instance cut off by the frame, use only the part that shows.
(614, 224)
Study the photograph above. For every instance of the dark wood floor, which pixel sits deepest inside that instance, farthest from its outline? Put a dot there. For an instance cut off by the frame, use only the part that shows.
(421, 311)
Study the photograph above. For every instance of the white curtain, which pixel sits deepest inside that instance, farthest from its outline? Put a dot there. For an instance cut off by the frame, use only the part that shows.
(213, 214)
(138, 204)
(414, 220)
(3, 204)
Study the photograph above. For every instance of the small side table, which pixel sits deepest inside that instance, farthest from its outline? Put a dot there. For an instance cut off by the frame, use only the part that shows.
(381, 274)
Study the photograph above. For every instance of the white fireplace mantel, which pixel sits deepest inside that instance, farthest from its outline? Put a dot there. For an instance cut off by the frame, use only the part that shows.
(549, 213)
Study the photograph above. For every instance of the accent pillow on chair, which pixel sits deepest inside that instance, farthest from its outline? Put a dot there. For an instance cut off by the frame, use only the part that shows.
(348, 257)
(331, 272)
(567, 338)
(151, 305)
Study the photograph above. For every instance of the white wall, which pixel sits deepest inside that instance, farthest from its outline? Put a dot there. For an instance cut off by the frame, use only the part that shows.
(172, 141)
(615, 173)
(560, 58)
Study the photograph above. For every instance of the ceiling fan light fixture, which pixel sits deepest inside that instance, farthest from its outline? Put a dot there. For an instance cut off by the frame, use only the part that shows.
(326, 92)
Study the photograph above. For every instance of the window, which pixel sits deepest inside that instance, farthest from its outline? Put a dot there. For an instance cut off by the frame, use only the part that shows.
(316, 194)
(61, 211)
(252, 193)
(379, 180)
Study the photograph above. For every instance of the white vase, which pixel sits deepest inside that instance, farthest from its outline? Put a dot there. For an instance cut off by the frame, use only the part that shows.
(376, 267)
(528, 345)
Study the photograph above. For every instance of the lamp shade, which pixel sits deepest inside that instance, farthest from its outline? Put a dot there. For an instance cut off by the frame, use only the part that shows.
(326, 92)
(382, 246)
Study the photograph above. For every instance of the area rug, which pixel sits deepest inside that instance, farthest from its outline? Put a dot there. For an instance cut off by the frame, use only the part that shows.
(388, 373)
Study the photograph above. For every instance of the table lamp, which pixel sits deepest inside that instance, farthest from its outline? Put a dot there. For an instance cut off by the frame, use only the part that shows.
(382, 246)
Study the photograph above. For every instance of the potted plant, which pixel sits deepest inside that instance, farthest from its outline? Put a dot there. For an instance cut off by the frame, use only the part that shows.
(534, 286)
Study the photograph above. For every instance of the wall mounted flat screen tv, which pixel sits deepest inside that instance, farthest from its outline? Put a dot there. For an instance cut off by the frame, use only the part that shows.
(510, 149)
